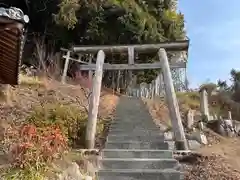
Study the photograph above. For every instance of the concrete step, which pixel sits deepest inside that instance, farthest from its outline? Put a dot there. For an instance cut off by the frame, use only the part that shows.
(134, 133)
(138, 153)
(140, 174)
(138, 163)
(140, 121)
(142, 125)
(129, 127)
(134, 129)
(137, 145)
(132, 119)
(140, 137)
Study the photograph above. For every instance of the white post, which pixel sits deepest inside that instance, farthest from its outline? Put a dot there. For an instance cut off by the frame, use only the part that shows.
(200, 125)
(118, 81)
(229, 115)
(161, 85)
(204, 103)
(157, 85)
(65, 67)
(153, 89)
(130, 62)
(190, 119)
(145, 91)
(90, 73)
(138, 92)
(180, 139)
(94, 101)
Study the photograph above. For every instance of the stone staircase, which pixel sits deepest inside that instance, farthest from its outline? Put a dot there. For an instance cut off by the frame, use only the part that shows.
(135, 148)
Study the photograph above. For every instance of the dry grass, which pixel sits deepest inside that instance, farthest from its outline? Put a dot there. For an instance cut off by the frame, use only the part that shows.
(34, 92)
(189, 100)
(158, 111)
(30, 81)
(220, 160)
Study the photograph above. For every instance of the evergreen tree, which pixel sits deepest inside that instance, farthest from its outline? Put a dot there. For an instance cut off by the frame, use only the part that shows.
(94, 22)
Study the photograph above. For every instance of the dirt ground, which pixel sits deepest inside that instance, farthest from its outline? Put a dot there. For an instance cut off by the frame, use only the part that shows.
(158, 111)
(219, 160)
(229, 149)
(216, 162)
(25, 97)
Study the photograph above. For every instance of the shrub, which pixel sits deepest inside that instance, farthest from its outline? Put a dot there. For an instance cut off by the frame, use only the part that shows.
(30, 149)
(29, 145)
(68, 118)
(24, 174)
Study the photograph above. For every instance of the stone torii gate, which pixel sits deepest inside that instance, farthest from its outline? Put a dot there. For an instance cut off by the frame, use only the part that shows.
(180, 139)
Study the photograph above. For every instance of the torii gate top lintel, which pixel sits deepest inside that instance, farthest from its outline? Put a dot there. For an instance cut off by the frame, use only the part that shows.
(169, 46)
(182, 45)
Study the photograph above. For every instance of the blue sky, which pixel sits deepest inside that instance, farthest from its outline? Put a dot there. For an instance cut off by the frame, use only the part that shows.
(213, 27)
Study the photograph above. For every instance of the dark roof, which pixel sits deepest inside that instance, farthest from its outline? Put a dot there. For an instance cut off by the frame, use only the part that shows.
(11, 38)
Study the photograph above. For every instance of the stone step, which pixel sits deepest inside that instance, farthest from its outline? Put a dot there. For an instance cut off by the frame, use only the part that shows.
(140, 174)
(138, 163)
(133, 126)
(151, 122)
(149, 125)
(135, 132)
(131, 116)
(127, 127)
(140, 137)
(133, 119)
(138, 153)
(140, 121)
(137, 145)
(133, 129)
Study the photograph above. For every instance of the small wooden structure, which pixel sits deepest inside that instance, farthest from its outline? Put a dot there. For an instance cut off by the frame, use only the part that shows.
(11, 46)
(164, 65)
